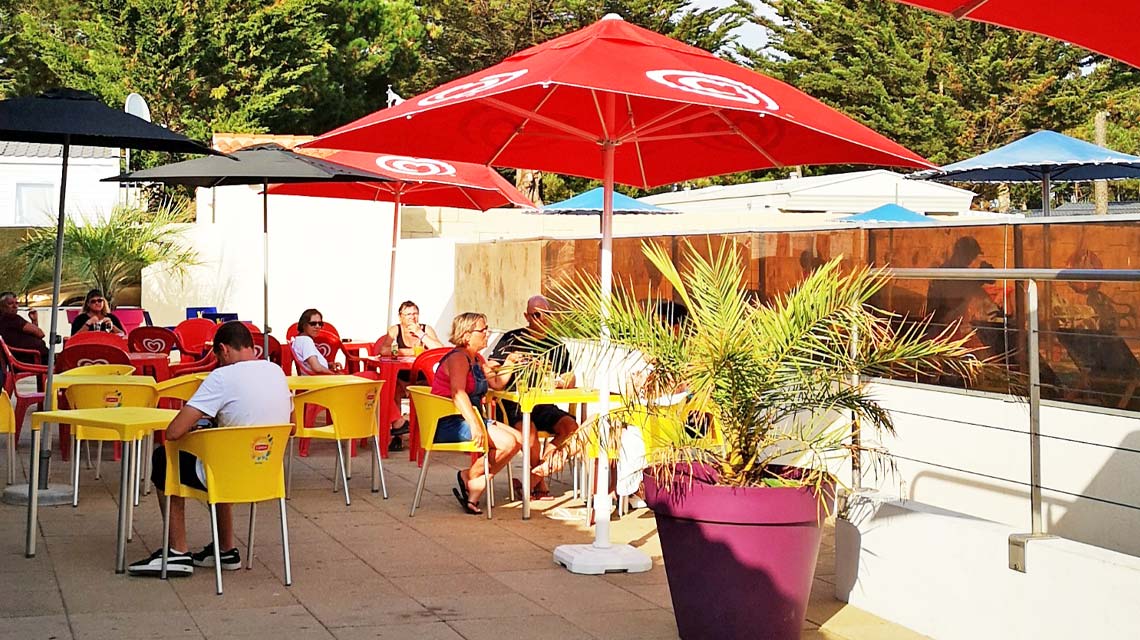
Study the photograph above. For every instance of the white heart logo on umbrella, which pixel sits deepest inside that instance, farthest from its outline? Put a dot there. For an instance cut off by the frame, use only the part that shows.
(473, 88)
(707, 84)
(83, 362)
(415, 166)
(154, 345)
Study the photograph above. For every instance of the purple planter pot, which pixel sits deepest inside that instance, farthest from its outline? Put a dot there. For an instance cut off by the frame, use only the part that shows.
(740, 561)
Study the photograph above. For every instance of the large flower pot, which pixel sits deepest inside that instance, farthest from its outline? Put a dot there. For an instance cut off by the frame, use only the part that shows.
(740, 560)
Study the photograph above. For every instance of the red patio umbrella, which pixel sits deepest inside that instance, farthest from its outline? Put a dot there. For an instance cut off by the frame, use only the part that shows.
(618, 103)
(1104, 26)
(415, 181)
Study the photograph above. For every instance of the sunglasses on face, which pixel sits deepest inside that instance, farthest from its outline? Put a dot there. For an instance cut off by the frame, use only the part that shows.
(317, 324)
(97, 301)
(483, 330)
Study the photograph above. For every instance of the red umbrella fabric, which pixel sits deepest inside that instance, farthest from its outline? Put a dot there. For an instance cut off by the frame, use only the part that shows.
(674, 112)
(415, 181)
(419, 181)
(1104, 26)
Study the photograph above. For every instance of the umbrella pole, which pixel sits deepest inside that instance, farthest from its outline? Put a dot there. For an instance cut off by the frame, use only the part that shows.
(601, 556)
(44, 451)
(265, 264)
(1045, 189)
(392, 265)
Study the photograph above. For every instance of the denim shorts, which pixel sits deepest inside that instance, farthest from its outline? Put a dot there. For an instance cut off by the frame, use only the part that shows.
(452, 429)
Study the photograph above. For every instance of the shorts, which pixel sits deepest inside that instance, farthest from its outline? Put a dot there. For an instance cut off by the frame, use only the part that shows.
(452, 429)
(187, 470)
(542, 418)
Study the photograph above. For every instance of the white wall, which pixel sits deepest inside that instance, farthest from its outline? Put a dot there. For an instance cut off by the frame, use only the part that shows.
(86, 196)
(954, 432)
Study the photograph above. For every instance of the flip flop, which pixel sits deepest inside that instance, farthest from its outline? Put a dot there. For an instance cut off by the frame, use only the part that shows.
(462, 486)
(470, 508)
(541, 494)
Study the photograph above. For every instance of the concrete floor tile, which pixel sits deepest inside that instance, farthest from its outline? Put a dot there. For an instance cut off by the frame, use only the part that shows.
(104, 591)
(53, 627)
(18, 600)
(134, 626)
(541, 627)
(416, 631)
(279, 622)
(450, 584)
(652, 623)
(500, 605)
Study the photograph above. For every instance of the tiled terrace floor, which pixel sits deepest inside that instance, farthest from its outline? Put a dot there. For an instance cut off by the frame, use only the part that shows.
(365, 571)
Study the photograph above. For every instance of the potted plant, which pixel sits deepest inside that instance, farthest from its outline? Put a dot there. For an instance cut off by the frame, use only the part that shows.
(742, 471)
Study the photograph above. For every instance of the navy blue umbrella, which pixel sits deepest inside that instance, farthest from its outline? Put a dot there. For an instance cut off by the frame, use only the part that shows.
(1044, 157)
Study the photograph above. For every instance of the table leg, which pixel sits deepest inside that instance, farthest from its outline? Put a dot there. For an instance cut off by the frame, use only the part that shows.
(526, 466)
(124, 505)
(33, 495)
(135, 453)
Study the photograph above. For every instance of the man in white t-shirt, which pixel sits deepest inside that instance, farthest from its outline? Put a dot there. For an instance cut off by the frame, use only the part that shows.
(243, 390)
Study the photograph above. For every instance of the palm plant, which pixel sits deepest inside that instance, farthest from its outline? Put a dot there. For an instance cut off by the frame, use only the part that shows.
(112, 253)
(781, 383)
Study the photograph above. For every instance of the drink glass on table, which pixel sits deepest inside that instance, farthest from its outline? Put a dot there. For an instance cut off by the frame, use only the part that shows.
(418, 348)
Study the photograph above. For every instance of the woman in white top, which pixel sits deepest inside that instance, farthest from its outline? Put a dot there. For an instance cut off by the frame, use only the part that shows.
(310, 362)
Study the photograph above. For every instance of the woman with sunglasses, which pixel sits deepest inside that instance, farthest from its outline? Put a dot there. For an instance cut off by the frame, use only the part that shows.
(96, 316)
(310, 362)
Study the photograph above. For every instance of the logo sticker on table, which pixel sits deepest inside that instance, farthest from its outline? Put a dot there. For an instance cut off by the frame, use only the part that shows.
(408, 165)
(713, 86)
(473, 88)
(260, 449)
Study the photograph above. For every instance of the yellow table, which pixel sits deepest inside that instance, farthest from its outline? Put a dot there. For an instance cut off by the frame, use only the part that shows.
(131, 423)
(527, 401)
(62, 382)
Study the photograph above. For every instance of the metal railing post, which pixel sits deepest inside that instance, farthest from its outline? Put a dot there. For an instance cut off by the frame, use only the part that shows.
(1034, 354)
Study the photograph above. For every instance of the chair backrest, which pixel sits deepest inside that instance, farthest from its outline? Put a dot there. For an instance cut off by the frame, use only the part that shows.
(132, 318)
(180, 388)
(100, 370)
(243, 464)
(259, 347)
(328, 328)
(429, 409)
(194, 333)
(427, 362)
(196, 312)
(98, 337)
(152, 340)
(84, 354)
(7, 414)
(98, 396)
(352, 407)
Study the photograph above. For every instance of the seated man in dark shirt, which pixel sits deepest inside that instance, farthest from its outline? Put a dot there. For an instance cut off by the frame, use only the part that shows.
(18, 332)
(532, 339)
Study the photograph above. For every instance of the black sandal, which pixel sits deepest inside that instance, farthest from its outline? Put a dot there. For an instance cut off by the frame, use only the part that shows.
(467, 505)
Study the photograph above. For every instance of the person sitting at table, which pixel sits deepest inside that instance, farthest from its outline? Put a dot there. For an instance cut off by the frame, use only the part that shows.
(96, 316)
(310, 362)
(462, 378)
(18, 332)
(410, 337)
(242, 390)
(530, 341)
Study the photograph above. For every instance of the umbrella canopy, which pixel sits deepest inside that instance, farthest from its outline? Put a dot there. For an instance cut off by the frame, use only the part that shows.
(417, 181)
(1105, 26)
(69, 117)
(619, 103)
(592, 202)
(888, 214)
(1030, 158)
(260, 164)
(1042, 157)
(76, 117)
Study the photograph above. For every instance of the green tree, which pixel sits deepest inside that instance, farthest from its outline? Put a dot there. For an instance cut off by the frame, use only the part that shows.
(111, 253)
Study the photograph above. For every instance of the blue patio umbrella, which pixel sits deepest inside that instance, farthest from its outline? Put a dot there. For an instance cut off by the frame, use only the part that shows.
(888, 214)
(1044, 156)
(591, 203)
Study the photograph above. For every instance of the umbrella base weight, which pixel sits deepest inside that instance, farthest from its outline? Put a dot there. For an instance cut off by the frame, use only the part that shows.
(590, 560)
(54, 495)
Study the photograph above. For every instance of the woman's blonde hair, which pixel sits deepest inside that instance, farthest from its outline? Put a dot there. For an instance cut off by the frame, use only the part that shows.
(462, 325)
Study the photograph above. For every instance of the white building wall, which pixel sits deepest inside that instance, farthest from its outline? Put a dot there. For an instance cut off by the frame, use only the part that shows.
(87, 198)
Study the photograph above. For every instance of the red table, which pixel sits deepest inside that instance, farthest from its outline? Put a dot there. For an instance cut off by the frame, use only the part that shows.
(390, 368)
(159, 363)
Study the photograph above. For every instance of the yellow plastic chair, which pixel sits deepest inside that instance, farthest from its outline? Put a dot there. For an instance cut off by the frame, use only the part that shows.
(429, 409)
(100, 370)
(242, 465)
(353, 415)
(180, 388)
(8, 426)
(96, 396)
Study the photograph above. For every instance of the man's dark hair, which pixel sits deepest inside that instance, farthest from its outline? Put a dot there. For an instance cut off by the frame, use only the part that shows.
(233, 334)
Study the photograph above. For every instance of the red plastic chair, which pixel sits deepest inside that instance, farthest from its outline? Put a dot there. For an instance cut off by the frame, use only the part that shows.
(274, 348)
(193, 334)
(97, 337)
(424, 367)
(354, 362)
(328, 346)
(152, 340)
(327, 328)
(18, 370)
(207, 363)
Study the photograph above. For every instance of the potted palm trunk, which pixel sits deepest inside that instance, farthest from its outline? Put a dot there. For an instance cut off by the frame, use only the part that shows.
(747, 411)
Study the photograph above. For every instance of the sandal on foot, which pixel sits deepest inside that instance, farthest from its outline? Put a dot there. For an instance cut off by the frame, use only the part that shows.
(541, 494)
(517, 484)
(461, 486)
(467, 505)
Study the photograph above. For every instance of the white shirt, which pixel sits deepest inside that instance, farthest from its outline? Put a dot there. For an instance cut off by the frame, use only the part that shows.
(246, 393)
(304, 348)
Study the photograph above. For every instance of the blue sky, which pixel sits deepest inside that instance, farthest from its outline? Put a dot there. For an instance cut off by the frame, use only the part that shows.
(750, 35)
